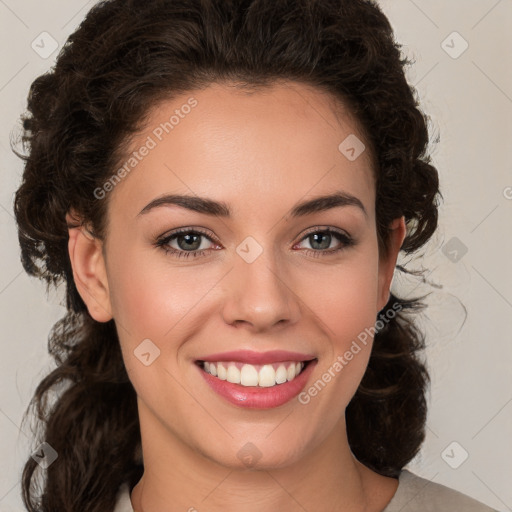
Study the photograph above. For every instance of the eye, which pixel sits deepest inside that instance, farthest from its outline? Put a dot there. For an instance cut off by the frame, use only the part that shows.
(189, 243)
(320, 241)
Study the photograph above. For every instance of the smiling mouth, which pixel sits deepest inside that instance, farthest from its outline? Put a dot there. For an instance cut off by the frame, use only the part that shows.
(254, 375)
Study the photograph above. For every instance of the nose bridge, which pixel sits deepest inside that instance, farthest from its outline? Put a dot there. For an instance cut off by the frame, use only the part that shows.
(258, 293)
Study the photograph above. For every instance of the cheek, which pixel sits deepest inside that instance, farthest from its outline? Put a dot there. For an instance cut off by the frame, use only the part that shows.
(345, 302)
(345, 296)
(151, 302)
(353, 307)
(148, 297)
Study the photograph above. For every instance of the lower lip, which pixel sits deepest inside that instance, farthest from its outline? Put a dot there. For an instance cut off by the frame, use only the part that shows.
(257, 397)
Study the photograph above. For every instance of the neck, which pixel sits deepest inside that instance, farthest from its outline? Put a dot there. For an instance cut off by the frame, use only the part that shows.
(179, 478)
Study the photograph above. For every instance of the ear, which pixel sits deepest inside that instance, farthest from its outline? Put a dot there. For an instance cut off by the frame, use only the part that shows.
(89, 271)
(387, 262)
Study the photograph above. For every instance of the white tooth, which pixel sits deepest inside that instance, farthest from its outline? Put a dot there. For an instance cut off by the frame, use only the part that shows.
(213, 369)
(233, 374)
(221, 371)
(298, 368)
(281, 374)
(248, 375)
(207, 366)
(291, 372)
(267, 376)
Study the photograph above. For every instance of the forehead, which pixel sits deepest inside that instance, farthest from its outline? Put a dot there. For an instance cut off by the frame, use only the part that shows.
(276, 143)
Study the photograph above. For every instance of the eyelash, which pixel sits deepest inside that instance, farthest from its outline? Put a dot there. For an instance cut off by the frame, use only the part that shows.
(163, 242)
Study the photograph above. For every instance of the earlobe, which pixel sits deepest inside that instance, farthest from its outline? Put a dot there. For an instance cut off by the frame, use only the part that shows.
(89, 271)
(387, 263)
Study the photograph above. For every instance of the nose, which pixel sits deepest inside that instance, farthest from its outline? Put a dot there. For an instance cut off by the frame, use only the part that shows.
(259, 295)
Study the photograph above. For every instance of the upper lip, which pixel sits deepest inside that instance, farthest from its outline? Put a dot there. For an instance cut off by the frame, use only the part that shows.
(252, 357)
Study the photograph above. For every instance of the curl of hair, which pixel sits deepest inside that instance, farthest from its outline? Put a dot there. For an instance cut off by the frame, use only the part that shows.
(128, 55)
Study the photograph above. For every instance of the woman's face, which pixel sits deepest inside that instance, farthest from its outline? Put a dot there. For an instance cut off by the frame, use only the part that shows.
(271, 276)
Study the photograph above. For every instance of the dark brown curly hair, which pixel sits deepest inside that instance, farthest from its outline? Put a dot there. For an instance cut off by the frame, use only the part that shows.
(126, 56)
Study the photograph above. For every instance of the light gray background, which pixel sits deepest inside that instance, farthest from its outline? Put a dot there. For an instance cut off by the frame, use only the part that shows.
(469, 99)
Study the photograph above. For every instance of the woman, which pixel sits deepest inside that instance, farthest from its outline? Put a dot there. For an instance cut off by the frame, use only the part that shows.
(225, 187)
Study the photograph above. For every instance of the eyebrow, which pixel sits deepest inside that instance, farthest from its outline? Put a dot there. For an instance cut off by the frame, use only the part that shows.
(221, 209)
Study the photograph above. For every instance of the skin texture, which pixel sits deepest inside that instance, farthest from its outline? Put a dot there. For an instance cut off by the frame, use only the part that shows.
(261, 153)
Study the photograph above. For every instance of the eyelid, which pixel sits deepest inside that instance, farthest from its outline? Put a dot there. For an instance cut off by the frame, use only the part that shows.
(188, 229)
(318, 229)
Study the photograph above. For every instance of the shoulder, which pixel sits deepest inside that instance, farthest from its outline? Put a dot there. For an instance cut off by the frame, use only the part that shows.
(123, 503)
(417, 494)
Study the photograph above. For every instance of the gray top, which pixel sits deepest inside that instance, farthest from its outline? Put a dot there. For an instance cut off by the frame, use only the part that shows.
(417, 494)
(414, 494)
